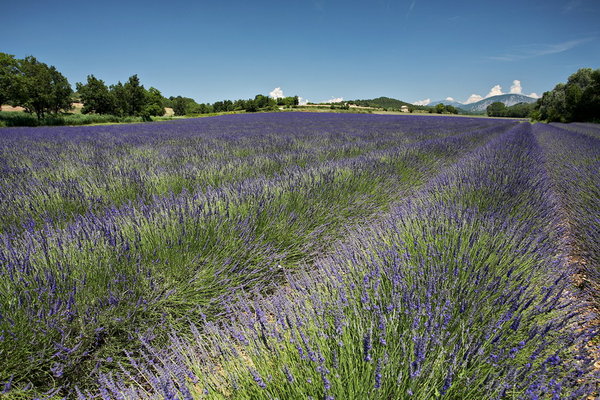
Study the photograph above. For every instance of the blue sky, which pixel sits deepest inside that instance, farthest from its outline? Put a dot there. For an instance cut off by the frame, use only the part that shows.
(318, 49)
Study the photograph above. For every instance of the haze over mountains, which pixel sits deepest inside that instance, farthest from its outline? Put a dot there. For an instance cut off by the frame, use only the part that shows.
(509, 99)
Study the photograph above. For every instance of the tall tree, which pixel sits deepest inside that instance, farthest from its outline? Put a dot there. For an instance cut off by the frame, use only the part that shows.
(42, 89)
(9, 76)
(576, 100)
(154, 103)
(96, 97)
(62, 92)
(496, 109)
(135, 95)
(179, 106)
(119, 95)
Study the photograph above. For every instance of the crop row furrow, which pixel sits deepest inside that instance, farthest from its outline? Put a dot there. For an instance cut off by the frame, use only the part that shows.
(75, 296)
(457, 293)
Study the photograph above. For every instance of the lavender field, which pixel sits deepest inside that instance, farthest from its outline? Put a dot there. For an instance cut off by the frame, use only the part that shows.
(300, 256)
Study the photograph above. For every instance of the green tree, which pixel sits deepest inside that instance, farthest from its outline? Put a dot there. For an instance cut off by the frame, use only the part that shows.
(440, 108)
(42, 89)
(96, 97)
(251, 106)
(179, 106)
(135, 96)
(589, 106)
(496, 109)
(519, 110)
(576, 100)
(262, 101)
(154, 103)
(9, 77)
(451, 109)
(119, 94)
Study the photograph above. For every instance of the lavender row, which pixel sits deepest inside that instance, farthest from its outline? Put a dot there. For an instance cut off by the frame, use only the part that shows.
(74, 298)
(573, 160)
(459, 293)
(50, 174)
(589, 129)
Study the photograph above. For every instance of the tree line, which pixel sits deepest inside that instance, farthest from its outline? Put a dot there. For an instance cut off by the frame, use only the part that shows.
(41, 89)
(260, 102)
(33, 85)
(576, 100)
(520, 110)
(128, 99)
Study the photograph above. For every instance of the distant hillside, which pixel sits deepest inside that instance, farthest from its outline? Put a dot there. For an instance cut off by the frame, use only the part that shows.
(507, 99)
(478, 107)
(384, 102)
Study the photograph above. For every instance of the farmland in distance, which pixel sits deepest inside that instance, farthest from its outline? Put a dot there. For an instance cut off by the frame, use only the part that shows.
(291, 255)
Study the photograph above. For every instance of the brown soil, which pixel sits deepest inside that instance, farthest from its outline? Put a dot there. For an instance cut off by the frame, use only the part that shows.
(580, 294)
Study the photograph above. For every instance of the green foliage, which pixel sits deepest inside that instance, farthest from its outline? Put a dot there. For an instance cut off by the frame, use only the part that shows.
(118, 92)
(185, 106)
(33, 85)
(384, 102)
(9, 119)
(135, 96)
(340, 106)
(577, 100)
(129, 99)
(451, 109)
(9, 70)
(154, 103)
(520, 110)
(96, 97)
(496, 109)
(444, 109)
(288, 101)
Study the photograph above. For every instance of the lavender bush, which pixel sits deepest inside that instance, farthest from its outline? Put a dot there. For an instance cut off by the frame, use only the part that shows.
(109, 233)
(572, 156)
(459, 292)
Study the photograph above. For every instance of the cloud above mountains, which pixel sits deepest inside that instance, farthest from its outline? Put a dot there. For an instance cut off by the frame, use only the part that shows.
(474, 98)
(422, 102)
(496, 90)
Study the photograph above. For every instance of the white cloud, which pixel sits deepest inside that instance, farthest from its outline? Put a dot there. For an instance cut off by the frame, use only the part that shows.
(302, 101)
(276, 93)
(495, 91)
(334, 100)
(474, 98)
(449, 99)
(516, 87)
(422, 102)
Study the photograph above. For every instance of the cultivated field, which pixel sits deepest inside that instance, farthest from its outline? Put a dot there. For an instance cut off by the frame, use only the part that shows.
(300, 255)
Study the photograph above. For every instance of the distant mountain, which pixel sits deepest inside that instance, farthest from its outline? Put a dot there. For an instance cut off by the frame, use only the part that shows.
(480, 106)
(508, 100)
